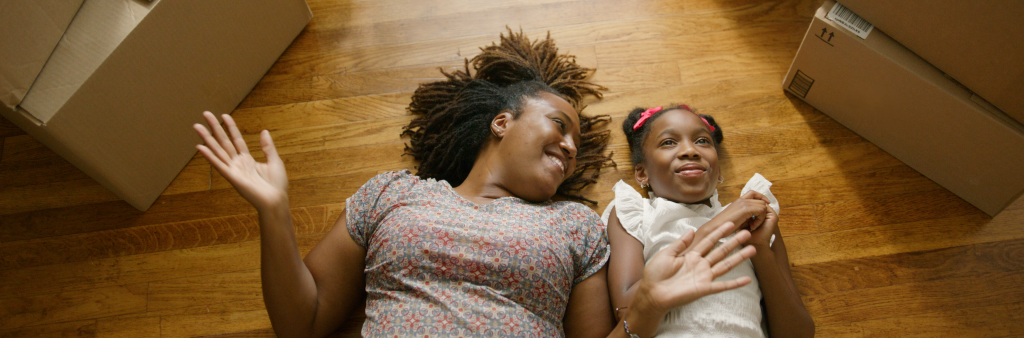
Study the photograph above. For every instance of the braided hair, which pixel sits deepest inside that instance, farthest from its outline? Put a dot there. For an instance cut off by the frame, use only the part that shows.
(453, 116)
(636, 137)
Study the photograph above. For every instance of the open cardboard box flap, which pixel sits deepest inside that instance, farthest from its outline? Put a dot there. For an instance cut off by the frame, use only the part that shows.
(30, 30)
(129, 124)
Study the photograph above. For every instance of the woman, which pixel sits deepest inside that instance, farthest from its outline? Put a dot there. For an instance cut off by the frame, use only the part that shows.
(473, 246)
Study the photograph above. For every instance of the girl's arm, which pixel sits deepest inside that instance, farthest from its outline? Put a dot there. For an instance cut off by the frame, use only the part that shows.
(787, 316)
(675, 276)
(303, 299)
(626, 265)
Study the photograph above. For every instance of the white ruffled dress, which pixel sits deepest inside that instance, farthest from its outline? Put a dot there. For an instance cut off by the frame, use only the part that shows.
(656, 222)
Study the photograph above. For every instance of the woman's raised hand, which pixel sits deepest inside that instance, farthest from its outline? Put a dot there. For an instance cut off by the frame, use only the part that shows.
(676, 276)
(265, 185)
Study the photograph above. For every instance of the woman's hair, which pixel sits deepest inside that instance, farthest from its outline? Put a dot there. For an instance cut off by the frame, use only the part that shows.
(636, 137)
(454, 115)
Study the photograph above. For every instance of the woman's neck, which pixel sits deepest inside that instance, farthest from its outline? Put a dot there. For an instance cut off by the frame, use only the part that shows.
(482, 185)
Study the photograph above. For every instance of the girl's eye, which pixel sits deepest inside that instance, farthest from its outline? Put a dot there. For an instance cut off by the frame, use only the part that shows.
(667, 143)
(703, 140)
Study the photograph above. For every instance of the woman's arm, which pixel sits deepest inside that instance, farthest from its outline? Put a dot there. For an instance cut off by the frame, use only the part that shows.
(303, 299)
(626, 265)
(787, 316)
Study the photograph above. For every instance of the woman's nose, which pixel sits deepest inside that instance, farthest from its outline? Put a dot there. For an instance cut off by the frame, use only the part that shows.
(569, 147)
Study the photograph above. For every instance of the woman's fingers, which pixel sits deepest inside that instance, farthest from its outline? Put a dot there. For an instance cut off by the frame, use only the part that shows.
(732, 261)
(211, 144)
(218, 133)
(723, 250)
(721, 286)
(236, 136)
(678, 247)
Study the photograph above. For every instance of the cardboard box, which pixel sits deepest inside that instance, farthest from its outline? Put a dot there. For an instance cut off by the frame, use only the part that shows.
(30, 30)
(898, 101)
(118, 101)
(978, 43)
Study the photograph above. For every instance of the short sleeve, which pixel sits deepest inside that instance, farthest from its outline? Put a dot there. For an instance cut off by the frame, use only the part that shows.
(629, 207)
(365, 209)
(590, 242)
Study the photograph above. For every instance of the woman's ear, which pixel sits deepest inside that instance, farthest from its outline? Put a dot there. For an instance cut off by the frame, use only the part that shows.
(640, 173)
(500, 123)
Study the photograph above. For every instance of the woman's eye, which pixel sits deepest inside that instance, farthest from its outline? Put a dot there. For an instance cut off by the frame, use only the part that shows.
(560, 124)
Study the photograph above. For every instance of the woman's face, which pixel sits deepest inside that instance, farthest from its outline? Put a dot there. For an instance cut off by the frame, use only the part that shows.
(538, 149)
(681, 162)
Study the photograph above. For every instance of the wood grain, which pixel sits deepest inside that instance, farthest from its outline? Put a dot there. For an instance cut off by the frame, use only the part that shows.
(8, 129)
(72, 305)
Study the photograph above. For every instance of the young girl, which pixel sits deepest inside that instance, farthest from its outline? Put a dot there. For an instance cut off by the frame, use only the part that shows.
(675, 157)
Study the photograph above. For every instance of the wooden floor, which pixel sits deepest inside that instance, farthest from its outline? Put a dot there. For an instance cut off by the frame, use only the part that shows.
(877, 249)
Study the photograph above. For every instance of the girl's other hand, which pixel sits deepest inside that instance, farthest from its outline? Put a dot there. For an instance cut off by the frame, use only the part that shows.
(761, 237)
(264, 185)
(749, 211)
(676, 276)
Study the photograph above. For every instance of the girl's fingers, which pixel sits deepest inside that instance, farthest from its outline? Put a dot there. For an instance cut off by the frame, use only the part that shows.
(236, 136)
(723, 250)
(211, 144)
(267, 143)
(732, 261)
(218, 133)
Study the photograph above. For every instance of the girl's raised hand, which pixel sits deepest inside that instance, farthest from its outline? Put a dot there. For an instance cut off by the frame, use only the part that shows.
(264, 185)
(676, 276)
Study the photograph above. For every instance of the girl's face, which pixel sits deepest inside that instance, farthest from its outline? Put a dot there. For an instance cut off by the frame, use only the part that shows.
(538, 149)
(681, 162)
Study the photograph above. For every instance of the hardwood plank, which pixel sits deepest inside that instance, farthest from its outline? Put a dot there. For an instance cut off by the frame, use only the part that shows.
(213, 323)
(344, 84)
(8, 129)
(20, 199)
(170, 208)
(116, 327)
(820, 161)
(858, 213)
(148, 239)
(621, 54)
(909, 267)
(201, 290)
(25, 161)
(80, 329)
(142, 268)
(637, 77)
(904, 237)
(916, 298)
(771, 60)
(1004, 320)
(322, 112)
(319, 138)
(72, 305)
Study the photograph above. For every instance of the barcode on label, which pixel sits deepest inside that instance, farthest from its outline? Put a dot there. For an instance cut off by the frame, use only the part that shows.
(801, 84)
(850, 20)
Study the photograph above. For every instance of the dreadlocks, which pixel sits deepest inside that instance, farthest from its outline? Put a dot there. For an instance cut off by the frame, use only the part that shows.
(454, 115)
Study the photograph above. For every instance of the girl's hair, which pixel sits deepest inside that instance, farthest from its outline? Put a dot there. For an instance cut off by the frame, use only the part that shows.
(636, 137)
(454, 115)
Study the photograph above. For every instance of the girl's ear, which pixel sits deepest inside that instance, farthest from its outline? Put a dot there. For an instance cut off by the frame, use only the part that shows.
(640, 173)
(500, 123)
